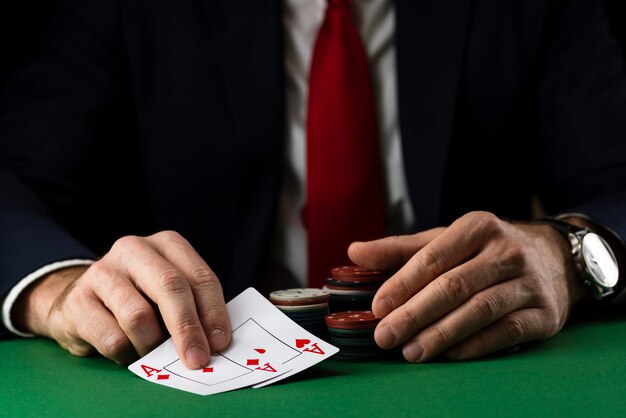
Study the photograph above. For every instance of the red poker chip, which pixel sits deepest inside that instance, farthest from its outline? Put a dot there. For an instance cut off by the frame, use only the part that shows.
(352, 320)
(358, 274)
(353, 327)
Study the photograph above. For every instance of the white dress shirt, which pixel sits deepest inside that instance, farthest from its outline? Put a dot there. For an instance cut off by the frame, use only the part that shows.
(375, 21)
(302, 19)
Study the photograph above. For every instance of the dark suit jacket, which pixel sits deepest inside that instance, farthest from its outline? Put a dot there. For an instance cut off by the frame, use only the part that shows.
(143, 115)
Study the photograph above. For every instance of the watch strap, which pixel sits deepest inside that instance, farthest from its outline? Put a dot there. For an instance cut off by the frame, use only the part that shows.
(562, 226)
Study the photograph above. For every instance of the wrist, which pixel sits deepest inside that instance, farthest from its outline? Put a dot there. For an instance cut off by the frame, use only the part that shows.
(33, 306)
(577, 291)
(593, 256)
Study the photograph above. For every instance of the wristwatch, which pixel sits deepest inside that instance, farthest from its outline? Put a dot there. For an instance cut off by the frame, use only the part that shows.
(593, 258)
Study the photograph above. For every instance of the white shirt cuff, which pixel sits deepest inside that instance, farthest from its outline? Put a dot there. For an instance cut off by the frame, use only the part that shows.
(7, 305)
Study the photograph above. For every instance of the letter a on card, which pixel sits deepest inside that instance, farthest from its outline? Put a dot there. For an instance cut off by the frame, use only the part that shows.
(315, 349)
(149, 371)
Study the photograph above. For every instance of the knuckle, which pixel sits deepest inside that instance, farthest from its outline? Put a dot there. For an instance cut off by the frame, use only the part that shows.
(136, 317)
(169, 236)
(79, 350)
(533, 283)
(215, 314)
(451, 289)
(552, 323)
(186, 325)
(485, 307)
(514, 328)
(440, 336)
(65, 334)
(116, 345)
(431, 260)
(514, 254)
(172, 281)
(409, 321)
(126, 244)
(487, 221)
(206, 278)
(400, 289)
(98, 269)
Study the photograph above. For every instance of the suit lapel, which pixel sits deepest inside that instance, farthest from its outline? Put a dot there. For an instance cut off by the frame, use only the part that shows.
(430, 41)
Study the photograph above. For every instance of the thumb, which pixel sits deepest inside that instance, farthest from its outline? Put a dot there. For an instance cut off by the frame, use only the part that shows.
(390, 253)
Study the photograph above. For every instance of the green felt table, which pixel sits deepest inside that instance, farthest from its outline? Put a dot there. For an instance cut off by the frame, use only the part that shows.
(580, 372)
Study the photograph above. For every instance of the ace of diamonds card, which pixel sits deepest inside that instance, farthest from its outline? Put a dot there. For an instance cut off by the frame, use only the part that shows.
(266, 347)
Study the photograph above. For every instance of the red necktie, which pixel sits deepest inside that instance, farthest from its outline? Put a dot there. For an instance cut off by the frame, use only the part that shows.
(345, 197)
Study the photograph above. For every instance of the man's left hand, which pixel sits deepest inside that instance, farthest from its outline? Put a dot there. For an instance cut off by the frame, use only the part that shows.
(476, 287)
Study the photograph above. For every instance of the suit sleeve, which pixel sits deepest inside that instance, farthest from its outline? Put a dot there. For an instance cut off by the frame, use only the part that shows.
(50, 112)
(582, 118)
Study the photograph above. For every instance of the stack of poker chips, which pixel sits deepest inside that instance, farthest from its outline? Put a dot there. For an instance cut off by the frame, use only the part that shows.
(353, 333)
(353, 288)
(306, 307)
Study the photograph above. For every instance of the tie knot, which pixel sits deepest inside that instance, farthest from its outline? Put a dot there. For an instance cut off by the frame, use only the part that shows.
(339, 3)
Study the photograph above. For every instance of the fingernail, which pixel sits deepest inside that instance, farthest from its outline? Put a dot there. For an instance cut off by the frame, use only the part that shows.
(197, 356)
(386, 336)
(413, 351)
(217, 339)
(383, 307)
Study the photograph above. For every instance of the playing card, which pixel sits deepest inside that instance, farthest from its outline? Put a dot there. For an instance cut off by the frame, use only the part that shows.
(238, 366)
(284, 340)
(266, 346)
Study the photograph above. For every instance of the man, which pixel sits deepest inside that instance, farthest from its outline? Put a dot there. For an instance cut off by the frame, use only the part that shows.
(496, 101)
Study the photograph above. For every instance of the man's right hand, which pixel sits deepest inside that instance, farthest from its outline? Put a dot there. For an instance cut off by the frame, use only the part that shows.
(114, 305)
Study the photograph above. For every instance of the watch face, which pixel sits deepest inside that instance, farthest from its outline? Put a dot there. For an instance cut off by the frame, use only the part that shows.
(600, 260)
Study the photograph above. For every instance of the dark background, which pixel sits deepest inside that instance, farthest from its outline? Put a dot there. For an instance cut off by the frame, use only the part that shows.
(616, 10)
(20, 20)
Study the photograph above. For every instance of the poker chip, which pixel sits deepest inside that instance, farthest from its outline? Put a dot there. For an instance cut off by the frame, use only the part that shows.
(340, 311)
(351, 292)
(351, 318)
(358, 274)
(353, 287)
(353, 333)
(349, 286)
(304, 296)
(306, 307)
(302, 307)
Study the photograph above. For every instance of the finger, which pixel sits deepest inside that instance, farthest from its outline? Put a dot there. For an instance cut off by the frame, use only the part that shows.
(390, 253)
(134, 314)
(478, 312)
(168, 287)
(452, 247)
(99, 328)
(441, 296)
(205, 286)
(511, 330)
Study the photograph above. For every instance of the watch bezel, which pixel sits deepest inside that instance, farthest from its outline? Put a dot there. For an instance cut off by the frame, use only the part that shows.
(597, 285)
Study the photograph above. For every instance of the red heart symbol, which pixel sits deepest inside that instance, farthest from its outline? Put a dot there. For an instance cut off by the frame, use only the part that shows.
(302, 343)
(260, 350)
